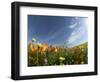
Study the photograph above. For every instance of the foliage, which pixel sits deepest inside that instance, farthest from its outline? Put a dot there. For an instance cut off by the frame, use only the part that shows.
(47, 55)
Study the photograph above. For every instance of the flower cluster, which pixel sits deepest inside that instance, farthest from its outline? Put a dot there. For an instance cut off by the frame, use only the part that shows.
(46, 55)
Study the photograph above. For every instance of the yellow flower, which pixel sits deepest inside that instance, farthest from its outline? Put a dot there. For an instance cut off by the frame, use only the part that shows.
(44, 47)
(55, 50)
(61, 58)
(39, 45)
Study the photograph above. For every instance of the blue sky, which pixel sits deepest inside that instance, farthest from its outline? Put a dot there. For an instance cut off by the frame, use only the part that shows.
(58, 30)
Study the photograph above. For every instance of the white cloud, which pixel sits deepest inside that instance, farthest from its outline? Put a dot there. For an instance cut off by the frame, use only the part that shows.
(73, 25)
(78, 36)
(73, 37)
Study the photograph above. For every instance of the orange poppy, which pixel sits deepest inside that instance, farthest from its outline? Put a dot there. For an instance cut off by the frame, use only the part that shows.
(33, 49)
(44, 47)
(53, 49)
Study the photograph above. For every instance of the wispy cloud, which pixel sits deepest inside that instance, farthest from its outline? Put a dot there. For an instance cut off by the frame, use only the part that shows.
(73, 26)
(76, 36)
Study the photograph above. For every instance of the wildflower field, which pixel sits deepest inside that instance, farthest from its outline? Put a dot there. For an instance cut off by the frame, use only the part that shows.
(48, 55)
